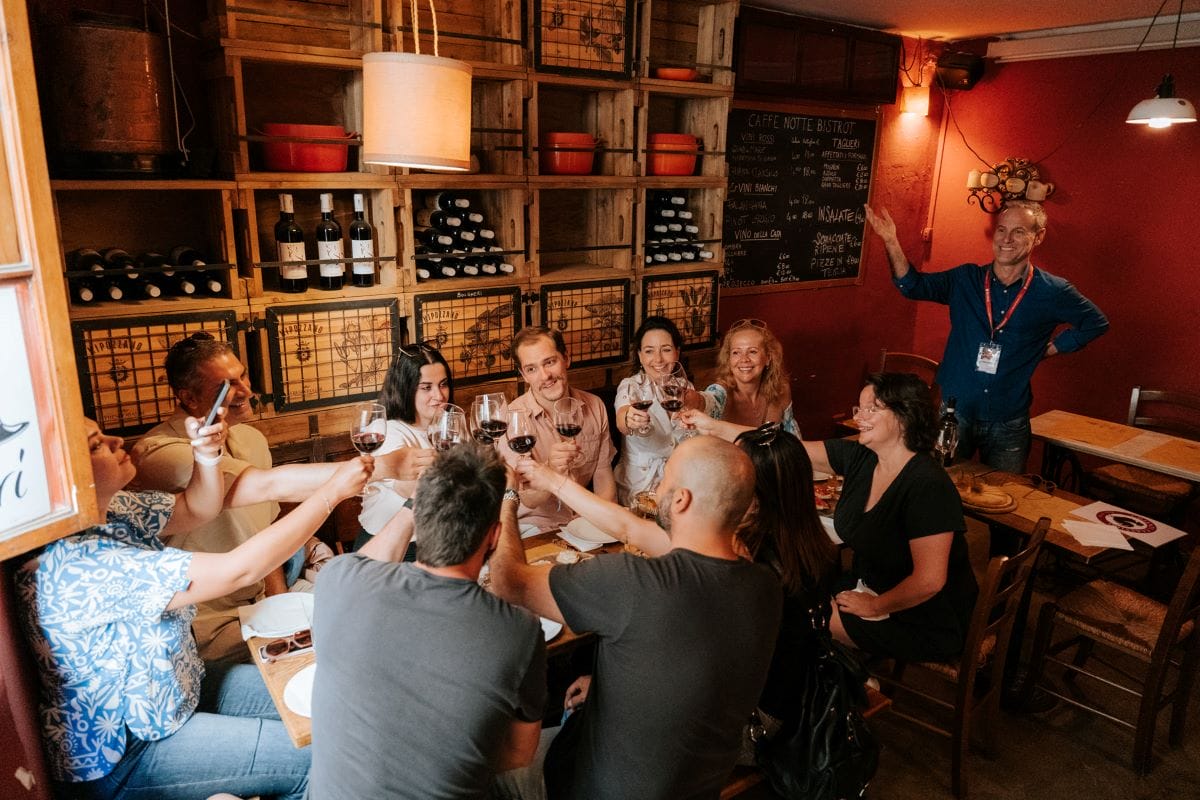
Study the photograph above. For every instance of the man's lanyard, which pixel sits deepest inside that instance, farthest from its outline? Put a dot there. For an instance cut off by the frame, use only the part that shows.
(987, 299)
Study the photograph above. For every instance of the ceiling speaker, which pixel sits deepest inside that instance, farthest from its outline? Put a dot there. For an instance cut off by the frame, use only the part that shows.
(959, 70)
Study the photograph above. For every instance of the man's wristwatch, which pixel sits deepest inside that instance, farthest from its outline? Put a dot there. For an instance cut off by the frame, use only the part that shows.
(511, 494)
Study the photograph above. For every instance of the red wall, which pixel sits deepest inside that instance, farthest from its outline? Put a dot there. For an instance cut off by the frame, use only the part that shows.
(1121, 228)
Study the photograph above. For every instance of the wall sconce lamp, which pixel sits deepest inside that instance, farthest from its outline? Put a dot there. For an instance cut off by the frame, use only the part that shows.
(1164, 109)
(417, 108)
(1013, 179)
(915, 100)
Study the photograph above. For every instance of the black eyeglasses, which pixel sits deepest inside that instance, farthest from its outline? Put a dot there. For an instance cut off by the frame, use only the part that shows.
(416, 349)
(762, 436)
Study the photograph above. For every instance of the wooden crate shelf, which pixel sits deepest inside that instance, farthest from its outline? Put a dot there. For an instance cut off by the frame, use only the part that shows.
(503, 209)
(339, 28)
(259, 211)
(472, 328)
(689, 34)
(592, 316)
(706, 205)
(602, 108)
(582, 233)
(702, 117)
(486, 33)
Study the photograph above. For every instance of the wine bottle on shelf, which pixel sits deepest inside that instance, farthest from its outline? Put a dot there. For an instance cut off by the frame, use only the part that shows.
(362, 245)
(668, 199)
(437, 218)
(464, 237)
(210, 283)
(187, 256)
(658, 228)
(469, 267)
(184, 284)
(691, 229)
(432, 237)
(85, 258)
(143, 288)
(472, 218)
(116, 258)
(155, 263)
(502, 266)
(106, 288)
(289, 246)
(446, 201)
(330, 246)
(684, 215)
(664, 212)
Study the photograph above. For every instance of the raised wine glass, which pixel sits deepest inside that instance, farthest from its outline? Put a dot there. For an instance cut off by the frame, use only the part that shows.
(368, 430)
(641, 397)
(489, 417)
(672, 389)
(521, 436)
(449, 428)
(568, 417)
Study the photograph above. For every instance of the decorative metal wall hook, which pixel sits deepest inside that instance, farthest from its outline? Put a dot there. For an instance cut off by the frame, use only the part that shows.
(1012, 179)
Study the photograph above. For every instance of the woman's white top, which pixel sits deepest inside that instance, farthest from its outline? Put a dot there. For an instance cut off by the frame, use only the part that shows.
(383, 500)
(642, 457)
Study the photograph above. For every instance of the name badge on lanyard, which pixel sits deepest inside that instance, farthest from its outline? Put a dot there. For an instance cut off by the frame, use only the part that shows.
(988, 359)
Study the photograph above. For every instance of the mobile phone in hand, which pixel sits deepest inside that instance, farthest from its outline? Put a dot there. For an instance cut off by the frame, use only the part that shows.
(221, 395)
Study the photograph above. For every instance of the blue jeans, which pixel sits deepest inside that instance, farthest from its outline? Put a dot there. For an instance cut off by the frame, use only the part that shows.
(1001, 445)
(233, 743)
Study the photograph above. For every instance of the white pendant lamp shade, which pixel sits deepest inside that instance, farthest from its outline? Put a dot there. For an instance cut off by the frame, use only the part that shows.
(1162, 112)
(416, 111)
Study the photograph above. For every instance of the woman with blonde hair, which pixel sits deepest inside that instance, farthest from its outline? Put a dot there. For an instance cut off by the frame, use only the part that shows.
(751, 386)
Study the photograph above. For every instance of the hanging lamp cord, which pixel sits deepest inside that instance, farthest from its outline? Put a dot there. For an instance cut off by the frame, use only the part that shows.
(433, 16)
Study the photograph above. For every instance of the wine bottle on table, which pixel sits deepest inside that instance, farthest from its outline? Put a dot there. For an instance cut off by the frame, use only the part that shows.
(330, 246)
(289, 246)
(446, 201)
(362, 245)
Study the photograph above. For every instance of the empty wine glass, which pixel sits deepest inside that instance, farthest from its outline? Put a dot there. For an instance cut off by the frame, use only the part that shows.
(568, 417)
(449, 428)
(368, 430)
(521, 436)
(641, 397)
(489, 419)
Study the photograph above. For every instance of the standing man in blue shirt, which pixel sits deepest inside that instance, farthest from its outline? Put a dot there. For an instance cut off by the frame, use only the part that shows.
(1003, 317)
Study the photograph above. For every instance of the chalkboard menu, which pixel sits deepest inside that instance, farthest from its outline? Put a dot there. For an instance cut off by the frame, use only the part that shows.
(797, 185)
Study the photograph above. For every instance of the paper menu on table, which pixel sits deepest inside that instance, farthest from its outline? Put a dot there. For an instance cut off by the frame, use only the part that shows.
(1095, 534)
(1129, 523)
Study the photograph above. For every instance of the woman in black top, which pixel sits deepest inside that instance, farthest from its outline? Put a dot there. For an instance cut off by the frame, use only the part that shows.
(911, 591)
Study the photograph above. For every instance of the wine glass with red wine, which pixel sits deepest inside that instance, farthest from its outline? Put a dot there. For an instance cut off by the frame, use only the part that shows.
(672, 389)
(448, 429)
(521, 436)
(368, 430)
(568, 417)
(489, 417)
(641, 397)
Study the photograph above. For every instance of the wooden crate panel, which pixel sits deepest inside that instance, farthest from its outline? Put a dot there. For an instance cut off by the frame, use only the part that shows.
(503, 212)
(469, 30)
(472, 329)
(593, 318)
(584, 230)
(584, 36)
(688, 300)
(498, 125)
(690, 33)
(120, 364)
(606, 113)
(706, 207)
(324, 354)
(351, 27)
(702, 117)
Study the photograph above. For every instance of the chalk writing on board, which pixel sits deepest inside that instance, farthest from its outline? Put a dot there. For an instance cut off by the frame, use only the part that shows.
(797, 184)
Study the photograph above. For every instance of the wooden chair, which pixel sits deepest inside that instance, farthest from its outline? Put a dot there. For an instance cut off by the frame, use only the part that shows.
(1163, 637)
(996, 608)
(924, 368)
(1142, 490)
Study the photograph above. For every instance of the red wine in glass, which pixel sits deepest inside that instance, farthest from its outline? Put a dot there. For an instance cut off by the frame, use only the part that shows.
(522, 444)
(569, 430)
(672, 404)
(642, 405)
(494, 428)
(367, 442)
(482, 436)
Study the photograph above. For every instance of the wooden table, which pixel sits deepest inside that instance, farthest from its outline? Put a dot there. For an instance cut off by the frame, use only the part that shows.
(542, 547)
(1069, 433)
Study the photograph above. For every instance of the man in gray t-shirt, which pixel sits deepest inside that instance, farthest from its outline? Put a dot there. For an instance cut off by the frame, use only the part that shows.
(426, 684)
(684, 643)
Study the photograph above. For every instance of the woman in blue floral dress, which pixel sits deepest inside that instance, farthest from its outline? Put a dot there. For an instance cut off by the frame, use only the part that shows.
(127, 708)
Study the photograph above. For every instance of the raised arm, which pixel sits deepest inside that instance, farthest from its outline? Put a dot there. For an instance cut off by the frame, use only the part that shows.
(512, 578)
(391, 542)
(603, 513)
(885, 228)
(200, 501)
(214, 575)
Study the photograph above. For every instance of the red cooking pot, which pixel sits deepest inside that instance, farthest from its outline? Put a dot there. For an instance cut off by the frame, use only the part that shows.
(297, 156)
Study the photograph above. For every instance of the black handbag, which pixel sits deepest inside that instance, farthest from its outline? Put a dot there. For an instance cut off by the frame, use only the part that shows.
(827, 752)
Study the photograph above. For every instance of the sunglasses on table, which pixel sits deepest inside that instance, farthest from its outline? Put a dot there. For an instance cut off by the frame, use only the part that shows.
(287, 645)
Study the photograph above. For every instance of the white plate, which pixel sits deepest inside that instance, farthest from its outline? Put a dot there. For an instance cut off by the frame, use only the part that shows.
(820, 476)
(277, 615)
(297, 695)
(550, 629)
(580, 528)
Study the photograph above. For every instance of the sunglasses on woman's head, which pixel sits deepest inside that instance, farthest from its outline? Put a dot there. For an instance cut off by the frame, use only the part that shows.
(763, 436)
(416, 349)
(748, 322)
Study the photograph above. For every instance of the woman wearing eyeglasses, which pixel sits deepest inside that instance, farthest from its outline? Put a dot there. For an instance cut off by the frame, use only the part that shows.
(417, 385)
(751, 386)
(910, 591)
(128, 708)
(648, 431)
